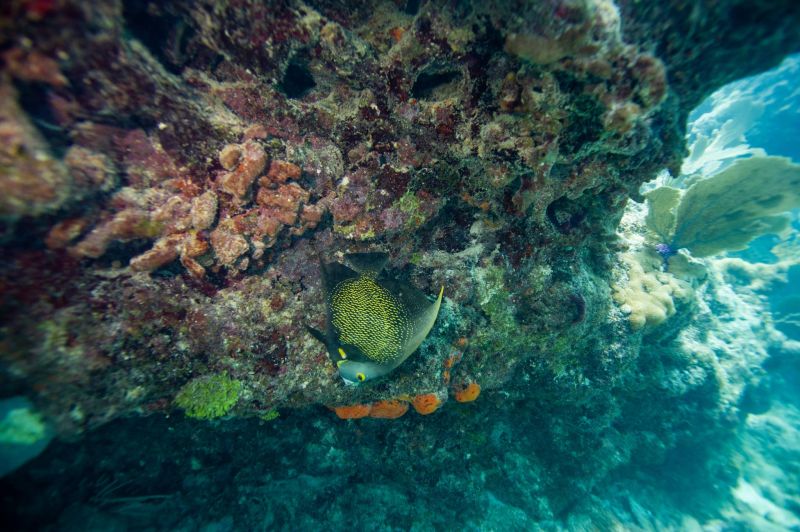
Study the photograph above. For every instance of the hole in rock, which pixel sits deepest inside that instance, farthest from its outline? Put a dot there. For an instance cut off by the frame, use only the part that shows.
(412, 7)
(434, 84)
(34, 100)
(163, 33)
(297, 80)
(566, 215)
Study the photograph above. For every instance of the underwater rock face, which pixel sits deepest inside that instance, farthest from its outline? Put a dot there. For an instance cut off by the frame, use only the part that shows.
(167, 195)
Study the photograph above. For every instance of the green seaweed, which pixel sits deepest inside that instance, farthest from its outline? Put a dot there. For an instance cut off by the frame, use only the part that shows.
(272, 415)
(209, 397)
(409, 204)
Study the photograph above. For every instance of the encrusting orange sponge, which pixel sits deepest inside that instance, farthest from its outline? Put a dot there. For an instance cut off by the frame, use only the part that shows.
(469, 393)
(426, 403)
(352, 411)
(388, 409)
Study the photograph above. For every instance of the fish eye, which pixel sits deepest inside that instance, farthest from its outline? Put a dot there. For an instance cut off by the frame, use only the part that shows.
(361, 377)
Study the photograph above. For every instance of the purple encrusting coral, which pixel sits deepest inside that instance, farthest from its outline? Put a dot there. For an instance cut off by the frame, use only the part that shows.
(166, 195)
(665, 250)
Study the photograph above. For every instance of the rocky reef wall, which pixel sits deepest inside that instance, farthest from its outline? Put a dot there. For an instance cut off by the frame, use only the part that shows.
(171, 174)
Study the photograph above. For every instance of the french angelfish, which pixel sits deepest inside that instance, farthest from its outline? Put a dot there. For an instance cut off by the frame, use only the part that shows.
(373, 323)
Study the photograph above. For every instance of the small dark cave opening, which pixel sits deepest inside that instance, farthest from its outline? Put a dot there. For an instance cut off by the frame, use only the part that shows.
(435, 84)
(412, 7)
(451, 229)
(164, 34)
(34, 98)
(297, 80)
(566, 215)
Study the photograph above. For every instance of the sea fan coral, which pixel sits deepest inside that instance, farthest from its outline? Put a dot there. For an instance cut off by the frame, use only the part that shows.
(725, 212)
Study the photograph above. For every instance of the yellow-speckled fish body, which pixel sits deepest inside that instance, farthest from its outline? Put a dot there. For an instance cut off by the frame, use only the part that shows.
(374, 324)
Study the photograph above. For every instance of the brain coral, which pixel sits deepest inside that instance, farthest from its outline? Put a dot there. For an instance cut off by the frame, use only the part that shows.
(209, 397)
(647, 295)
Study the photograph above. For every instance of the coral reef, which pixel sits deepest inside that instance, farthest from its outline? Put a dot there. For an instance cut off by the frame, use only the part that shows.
(647, 295)
(167, 196)
(33, 180)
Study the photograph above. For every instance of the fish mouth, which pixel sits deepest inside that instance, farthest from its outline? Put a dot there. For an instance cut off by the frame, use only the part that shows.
(348, 382)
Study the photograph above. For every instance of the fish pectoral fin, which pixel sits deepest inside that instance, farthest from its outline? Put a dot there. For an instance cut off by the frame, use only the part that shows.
(353, 354)
(316, 334)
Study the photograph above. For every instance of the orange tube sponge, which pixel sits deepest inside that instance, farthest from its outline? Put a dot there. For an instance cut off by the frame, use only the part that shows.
(352, 411)
(389, 409)
(469, 393)
(426, 403)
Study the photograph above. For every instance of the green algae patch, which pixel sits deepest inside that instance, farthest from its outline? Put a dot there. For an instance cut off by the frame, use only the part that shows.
(22, 426)
(502, 333)
(209, 397)
(410, 204)
(271, 415)
(494, 299)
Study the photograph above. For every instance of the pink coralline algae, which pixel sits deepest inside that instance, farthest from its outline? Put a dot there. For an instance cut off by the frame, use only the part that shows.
(250, 160)
(228, 243)
(204, 210)
(32, 180)
(32, 65)
(226, 226)
(284, 201)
